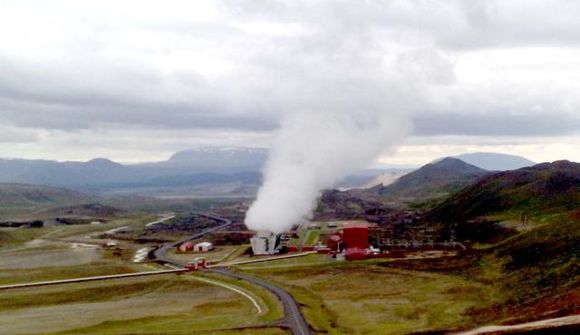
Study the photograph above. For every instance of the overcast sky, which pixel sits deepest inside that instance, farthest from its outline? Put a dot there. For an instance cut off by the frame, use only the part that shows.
(137, 80)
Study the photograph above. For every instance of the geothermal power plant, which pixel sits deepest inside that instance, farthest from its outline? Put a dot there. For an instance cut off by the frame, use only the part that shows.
(265, 243)
(350, 241)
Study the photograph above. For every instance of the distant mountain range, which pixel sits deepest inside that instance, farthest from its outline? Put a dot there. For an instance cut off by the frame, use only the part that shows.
(371, 178)
(216, 171)
(435, 179)
(494, 161)
(219, 159)
(236, 167)
(439, 178)
(212, 160)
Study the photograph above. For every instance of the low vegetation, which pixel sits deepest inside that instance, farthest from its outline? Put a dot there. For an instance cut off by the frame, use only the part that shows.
(527, 193)
(363, 297)
(523, 229)
(535, 272)
(166, 304)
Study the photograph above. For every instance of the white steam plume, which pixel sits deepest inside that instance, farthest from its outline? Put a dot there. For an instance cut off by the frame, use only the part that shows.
(347, 96)
(311, 152)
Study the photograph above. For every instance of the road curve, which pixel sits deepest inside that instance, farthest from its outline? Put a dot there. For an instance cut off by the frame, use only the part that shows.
(231, 288)
(293, 317)
(159, 253)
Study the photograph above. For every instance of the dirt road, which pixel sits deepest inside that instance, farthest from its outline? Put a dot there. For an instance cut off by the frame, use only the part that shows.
(558, 326)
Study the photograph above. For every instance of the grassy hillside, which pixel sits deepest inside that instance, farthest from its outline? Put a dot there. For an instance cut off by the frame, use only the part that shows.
(540, 262)
(543, 189)
(80, 210)
(535, 265)
(433, 181)
(22, 195)
(364, 298)
(436, 179)
(535, 273)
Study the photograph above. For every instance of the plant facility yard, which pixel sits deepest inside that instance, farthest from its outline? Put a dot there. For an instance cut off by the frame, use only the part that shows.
(219, 254)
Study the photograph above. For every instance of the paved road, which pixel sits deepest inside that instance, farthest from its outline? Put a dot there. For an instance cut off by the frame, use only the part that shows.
(159, 254)
(293, 317)
(163, 219)
(243, 293)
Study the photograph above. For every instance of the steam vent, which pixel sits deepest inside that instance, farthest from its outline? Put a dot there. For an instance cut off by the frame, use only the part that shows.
(265, 243)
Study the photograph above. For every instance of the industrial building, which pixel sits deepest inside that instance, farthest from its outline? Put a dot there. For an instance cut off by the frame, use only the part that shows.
(198, 247)
(203, 247)
(334, 242)
(184, 247)
(265, 243)
(356, 241)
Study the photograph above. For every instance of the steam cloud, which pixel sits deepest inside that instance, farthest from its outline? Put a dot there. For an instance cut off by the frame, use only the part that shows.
(313, 151)
(346, 96)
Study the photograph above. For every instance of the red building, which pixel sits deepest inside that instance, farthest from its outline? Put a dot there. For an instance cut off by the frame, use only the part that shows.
(184, 247)
(334, 242)
(293, 248)
(356, 241)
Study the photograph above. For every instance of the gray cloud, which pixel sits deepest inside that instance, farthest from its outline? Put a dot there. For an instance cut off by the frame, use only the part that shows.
(245, 65)
(14, 136)
(496, 125)
(516, 24)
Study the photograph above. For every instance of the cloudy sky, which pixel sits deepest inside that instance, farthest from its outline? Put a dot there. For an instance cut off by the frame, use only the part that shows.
(137, 80)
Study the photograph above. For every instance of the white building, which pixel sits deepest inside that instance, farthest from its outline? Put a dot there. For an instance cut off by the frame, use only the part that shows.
(203, 247)
(264, 243)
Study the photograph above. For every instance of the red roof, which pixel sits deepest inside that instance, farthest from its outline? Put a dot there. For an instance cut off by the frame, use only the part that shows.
(356, 226)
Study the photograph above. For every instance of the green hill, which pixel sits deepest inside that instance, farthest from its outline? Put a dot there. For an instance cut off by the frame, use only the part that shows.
(534, 258)
(537, 191)
(436, 179)
(23, 195)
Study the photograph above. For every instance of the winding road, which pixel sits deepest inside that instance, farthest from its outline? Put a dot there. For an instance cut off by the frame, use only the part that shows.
(159, 253)
(293, 318)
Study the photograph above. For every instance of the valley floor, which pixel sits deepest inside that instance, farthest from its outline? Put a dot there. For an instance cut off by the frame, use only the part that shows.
(366, 297)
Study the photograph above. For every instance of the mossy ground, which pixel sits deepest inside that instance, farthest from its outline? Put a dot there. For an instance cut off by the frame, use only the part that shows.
(363, 297)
